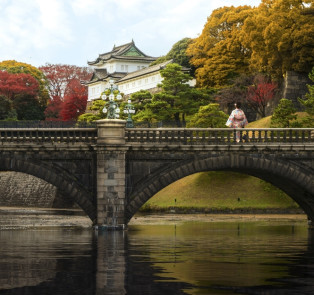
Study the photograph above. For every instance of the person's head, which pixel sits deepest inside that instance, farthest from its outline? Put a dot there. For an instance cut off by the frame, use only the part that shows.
(237, 105)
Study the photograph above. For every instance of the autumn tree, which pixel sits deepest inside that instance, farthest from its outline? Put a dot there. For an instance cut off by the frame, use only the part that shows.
(20, 94)
(260, 93)
(73, 106)
(218, 53)
(12, 85)
(280, 36)
(60, 77)
(64, 84)
(52, 112)
(15, 67)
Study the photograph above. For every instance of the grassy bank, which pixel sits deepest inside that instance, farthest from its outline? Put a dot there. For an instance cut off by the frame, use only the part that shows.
(218, 191)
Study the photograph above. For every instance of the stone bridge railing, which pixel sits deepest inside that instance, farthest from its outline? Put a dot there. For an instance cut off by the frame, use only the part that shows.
(208, 136)
(185, 136)
(48, 135)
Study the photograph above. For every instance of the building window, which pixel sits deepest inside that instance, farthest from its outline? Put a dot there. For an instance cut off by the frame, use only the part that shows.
(127, 68)
(133, 84)
(146, 81)
(153, 79)
(122, 68)
(138, 68)
(139, 82)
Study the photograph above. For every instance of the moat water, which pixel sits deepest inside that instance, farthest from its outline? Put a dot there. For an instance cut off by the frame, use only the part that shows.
(170, 255)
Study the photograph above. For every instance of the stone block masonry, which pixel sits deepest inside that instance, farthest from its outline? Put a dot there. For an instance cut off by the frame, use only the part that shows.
(23, 190)
(111, 188)
(296, 87)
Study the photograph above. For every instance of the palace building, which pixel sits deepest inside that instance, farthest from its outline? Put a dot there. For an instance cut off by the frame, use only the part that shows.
(128, 67)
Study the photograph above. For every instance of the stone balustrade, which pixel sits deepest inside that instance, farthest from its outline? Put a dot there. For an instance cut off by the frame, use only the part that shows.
(201, 136)
(48, 135)
(187, 136)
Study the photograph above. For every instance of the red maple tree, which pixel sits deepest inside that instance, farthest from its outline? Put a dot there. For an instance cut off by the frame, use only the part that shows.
(73, 106)
(52, 111)
(60, 76)
(66, 90)
(259, 94)
(12, 85)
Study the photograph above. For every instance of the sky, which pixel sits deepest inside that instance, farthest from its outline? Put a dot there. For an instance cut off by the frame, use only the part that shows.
(76, 31)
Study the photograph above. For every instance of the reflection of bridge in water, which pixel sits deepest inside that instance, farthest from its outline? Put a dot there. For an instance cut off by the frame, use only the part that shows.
(149, 261)
(111, 171)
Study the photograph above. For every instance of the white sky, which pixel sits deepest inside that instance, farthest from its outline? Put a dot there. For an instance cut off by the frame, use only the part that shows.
(76, 31)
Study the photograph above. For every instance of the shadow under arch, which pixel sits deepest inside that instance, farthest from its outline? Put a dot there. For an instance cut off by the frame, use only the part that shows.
(66, 183)
(294, 180)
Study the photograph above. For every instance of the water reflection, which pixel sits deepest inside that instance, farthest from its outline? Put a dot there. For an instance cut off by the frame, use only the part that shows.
(174, 258)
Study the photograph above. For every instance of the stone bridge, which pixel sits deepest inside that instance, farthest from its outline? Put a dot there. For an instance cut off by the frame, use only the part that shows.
(111, 171)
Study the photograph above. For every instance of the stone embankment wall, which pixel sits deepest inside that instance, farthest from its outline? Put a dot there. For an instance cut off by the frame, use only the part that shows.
(295, 87)
(23, 190)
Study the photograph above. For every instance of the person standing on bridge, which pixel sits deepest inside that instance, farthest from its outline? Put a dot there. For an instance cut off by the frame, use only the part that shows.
(237, 119)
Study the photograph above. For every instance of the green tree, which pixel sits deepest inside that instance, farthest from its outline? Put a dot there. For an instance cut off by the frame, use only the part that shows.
(178, 55)
(284, 115)
(308, 103)
(177, 99)
(5, 107)
(141, 101)
(209, 116)
(28, 108)
(146, 116)
(96, 114)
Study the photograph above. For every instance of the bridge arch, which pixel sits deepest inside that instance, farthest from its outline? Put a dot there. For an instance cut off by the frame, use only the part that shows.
(294, 180)
(67, 184)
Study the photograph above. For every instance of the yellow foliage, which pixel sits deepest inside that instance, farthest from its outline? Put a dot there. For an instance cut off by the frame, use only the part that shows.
(275, 37)
(280, 35)
(218, 53)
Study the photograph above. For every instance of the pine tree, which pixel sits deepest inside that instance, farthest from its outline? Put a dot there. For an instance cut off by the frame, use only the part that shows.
(283, 114)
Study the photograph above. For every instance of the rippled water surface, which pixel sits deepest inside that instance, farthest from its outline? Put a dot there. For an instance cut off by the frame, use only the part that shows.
(190, 256)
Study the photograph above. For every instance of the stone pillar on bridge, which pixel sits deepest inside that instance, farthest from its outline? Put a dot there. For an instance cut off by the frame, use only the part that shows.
(111, 185)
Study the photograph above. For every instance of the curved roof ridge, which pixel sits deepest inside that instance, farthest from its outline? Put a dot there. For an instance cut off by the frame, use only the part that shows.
(119, 51)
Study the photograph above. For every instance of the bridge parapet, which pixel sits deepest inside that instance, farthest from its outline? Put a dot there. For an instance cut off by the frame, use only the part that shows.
(48, 135)
(208, 136)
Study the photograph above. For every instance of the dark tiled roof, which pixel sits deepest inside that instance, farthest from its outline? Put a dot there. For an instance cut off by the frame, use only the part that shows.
(102, 75)
(119, 52)
(145, 71)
